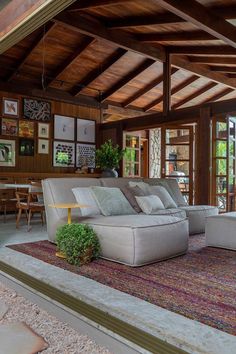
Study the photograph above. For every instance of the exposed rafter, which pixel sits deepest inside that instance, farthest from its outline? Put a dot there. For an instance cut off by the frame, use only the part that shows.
(147, 88)
(94, 74)
(213, 60)
(202, 50)
(175, 36)
(89, 4)
(125, 80)
(219, 95)
(174, 90)
(194, 95)
(224, 69)
(71, 59)
(43, 35)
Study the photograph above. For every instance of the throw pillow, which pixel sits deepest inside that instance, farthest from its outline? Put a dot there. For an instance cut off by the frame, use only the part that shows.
(84, 195)
(150, 204)
(112, 201)
(165, 197)
(130, 193)
(142, 185)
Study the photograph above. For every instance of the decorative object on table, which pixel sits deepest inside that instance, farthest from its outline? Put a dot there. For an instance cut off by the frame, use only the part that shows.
(86, 130)
(9, 127)
(108, 158)
(63, 154)
(85, 156)
(7, 153)
(36, 110)
(43, 146)
(10, 107)
(64, 127)
(78, 242)
(43, 130)
(26, 147)
(26, 129)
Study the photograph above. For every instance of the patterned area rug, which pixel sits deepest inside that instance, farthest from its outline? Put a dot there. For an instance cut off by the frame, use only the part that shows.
(200, 285)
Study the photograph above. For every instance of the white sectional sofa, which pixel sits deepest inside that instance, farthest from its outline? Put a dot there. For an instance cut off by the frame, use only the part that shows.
(130, 239)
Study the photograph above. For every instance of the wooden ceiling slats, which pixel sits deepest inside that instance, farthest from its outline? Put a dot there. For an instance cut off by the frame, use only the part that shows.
(125, 80)
(194, 95)
(89, 4)
(213, 60)
(224, 69)
(202, 50)
(219, 95)
(71, 59)
(175, 36)
(98, 71)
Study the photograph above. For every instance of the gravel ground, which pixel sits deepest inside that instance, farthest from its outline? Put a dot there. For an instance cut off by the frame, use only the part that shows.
(61, 338)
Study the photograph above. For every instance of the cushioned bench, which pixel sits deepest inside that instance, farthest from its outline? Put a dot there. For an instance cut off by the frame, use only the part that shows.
(221, 231)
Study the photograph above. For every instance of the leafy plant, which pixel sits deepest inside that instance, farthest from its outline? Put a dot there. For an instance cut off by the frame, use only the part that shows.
(78, 242)
(109, 156)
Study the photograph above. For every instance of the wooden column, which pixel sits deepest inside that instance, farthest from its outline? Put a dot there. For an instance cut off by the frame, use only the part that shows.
(166, 85)
(203, 157)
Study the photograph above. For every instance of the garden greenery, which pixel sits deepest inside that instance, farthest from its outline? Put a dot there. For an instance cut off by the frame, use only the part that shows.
(109, 156)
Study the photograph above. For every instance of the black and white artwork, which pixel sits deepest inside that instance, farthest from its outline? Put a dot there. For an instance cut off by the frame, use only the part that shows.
(7, 153)
(85, 155)
(86, 130)
(36, 110)
(63, 154)
(43, 146)
(64, 127)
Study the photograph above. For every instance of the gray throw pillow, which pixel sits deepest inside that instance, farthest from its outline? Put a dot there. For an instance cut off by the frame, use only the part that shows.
(111, 201)
(150, 204)
(130, 193)
(164, 195)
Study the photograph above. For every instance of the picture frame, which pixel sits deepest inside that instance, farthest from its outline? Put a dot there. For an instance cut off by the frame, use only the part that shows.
(85, 155)
(10, 107)
(86, 130)
(63, 154)
(36, 110)
(64, 128)
(43, 130)
(9, 127)
(26, 129)
(7, 153)
(26, 147)
(43, 146)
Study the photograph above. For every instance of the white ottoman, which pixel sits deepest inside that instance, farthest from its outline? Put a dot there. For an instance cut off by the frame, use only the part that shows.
(221, 231)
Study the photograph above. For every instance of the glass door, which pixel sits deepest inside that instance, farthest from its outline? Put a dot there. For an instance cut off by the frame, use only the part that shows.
(131, 159)
(231, 163)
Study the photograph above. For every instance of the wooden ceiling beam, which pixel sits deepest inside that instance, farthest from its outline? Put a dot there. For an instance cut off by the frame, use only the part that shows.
(147, 88)
(91, 4)
(205, 19)
(97, 30)
(43, 35)
(174, 90)
(194, 95)
(125, 80)
(175, 36)
(94, 74)
(219, 95)
(213, 60)
(232, 76)
(71, 59)
(202, 50)
(224, 69)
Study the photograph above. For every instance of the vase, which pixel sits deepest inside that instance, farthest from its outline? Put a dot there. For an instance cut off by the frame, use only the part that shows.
(109, 172)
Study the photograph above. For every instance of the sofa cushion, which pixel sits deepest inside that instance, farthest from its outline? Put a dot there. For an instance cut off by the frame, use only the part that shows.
(141, 185)
(164, 195)
(111, 201)
(117, 182)
(150, 204)
(84, 195)
(171, 212)
(130, 193)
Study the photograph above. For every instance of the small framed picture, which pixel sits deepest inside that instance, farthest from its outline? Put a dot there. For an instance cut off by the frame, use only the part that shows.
(43, 146)
(26, 129)
(63, 154)
(26, 147)
(36, 110)
(85, 155)
(86, 130)
(9, 127)
(10, 107)
(7, 153)
(64, 128)
(43, 130)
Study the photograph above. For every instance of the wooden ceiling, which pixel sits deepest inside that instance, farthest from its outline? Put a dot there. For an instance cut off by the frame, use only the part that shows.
(114, 50)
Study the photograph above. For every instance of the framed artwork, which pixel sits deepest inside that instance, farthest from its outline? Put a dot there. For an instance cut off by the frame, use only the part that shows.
(43, 130)
(26, 147)
(86, 130)
(7, 153)
(63, 154)
(10, 107)
(64, 128)
(26, 129)
(36, 110)
(85, 155)
(9, 127)
(43, 146)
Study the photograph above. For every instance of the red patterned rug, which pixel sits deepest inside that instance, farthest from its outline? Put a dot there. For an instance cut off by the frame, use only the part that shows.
(200, 285)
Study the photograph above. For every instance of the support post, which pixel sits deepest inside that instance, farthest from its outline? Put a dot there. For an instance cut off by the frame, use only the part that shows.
(167, 85)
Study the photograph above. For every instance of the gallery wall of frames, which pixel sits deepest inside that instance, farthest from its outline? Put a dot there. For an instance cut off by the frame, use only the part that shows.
(40, 135)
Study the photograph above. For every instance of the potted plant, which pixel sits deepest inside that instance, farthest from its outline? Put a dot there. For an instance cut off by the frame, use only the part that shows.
(78, 242)
(108, 158)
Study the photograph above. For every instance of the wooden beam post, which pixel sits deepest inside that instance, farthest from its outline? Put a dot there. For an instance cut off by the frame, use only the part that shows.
(166, 85)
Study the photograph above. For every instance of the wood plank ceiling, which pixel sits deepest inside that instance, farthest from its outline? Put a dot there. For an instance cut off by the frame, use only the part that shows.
(113, 51)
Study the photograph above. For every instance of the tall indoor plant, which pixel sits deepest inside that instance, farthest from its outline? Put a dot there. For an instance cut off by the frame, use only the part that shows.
(108, 158)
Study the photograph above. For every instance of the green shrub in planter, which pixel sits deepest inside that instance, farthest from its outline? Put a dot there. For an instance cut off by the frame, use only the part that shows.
(78, 242)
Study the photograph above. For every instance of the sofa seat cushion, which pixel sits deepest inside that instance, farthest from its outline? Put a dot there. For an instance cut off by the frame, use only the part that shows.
(197, 215)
